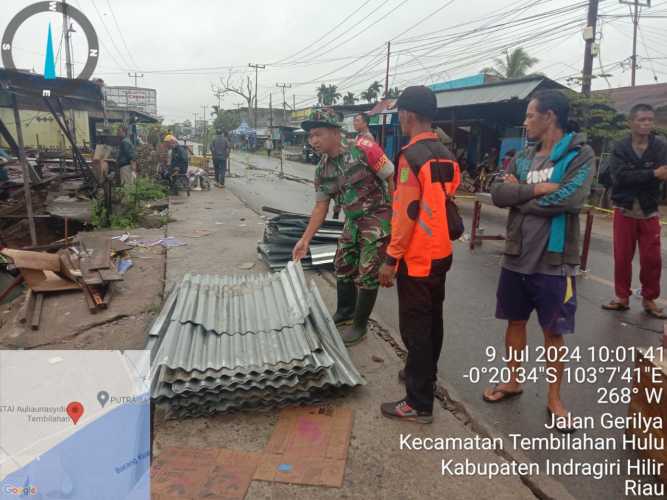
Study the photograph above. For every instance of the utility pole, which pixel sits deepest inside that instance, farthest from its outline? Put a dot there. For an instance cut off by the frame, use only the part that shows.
(635, 21)
(293, 102)
(257, 67)
(589, 37)
(205, 134)
(386, 91)
(67, 29)
(194, 127)
(136, 76)
(68, 43)
(284, 86)
(271, 112)
(218, 93)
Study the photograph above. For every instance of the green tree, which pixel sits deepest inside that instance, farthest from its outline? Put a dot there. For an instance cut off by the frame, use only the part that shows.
(327, 95)
(598, 119)
(393, 93)
(321, 94)
(349, 98)
(372, 92)
(515, 64)
(226, 119)
(334, 95)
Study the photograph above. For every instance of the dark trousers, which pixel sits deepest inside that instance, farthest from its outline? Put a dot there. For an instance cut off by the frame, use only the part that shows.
(420, 302)
(628, 234)
(220, 166)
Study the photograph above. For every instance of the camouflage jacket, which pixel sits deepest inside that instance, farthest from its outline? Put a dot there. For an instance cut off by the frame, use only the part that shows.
(355, 179)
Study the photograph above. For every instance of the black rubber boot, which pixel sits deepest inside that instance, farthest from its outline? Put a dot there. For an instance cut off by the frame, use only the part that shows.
(365, 302)
(346, 301)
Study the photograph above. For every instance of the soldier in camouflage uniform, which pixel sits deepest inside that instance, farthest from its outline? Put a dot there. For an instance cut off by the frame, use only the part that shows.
(358, 176)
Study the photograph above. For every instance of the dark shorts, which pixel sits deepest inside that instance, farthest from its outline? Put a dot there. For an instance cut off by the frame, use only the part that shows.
(551, 296)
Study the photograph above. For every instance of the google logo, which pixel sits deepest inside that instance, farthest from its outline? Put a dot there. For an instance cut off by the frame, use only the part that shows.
(20, 491)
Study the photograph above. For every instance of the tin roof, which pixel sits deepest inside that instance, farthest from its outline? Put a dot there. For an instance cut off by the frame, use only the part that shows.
(496, 92)
(231, 342)
(624, 98)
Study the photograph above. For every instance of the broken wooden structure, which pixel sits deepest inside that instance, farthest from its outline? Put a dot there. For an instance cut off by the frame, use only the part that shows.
(87, 263)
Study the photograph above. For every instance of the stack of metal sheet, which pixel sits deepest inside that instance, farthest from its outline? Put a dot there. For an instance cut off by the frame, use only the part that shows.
(284, 230)
(224, 343)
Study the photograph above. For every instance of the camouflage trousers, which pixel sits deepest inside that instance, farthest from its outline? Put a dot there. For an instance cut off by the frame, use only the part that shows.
(361, 250)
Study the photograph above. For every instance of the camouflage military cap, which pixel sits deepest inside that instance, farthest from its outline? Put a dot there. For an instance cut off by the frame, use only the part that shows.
(322, 117)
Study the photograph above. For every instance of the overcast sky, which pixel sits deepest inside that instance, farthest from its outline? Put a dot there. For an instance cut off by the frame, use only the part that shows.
(185, 47)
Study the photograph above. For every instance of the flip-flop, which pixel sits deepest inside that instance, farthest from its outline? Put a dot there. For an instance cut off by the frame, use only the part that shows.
(615, 306)
(562, 430)
(655, 313)
(505, 394)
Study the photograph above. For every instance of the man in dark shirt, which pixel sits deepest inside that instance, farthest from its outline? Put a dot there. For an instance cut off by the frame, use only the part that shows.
(179, 158)
(638, 170)
(126, 159)
(220, 152)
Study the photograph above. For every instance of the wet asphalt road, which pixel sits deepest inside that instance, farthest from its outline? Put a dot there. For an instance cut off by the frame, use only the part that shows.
(470, 325)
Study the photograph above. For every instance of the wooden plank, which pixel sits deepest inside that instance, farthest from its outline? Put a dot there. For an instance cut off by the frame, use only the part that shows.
(26, 307)
(37, 312)
(101, 259)
(106, 300)
(119, 246)
(110, 275)
(33, 260)
(90, 277)
(46, 281)
(87, 294)
(67, 266)
(98, 250)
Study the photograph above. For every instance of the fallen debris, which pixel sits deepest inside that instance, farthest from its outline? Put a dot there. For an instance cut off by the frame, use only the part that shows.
(90, 264)
(246, 342)
(284, 230)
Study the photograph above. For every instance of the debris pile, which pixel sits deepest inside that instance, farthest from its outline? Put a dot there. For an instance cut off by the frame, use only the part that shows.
(91, 264)
(225, 343)
(284, 230)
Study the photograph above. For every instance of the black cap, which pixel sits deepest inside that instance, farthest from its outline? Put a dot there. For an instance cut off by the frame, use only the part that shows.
(418, 99)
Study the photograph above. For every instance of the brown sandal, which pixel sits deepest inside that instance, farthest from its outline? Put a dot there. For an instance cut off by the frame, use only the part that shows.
(655, 313)
(615, 306)
(504, 394)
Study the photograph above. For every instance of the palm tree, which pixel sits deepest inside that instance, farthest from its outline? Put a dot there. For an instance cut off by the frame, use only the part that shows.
(327, 95)
(393, 93)
(333, 94)
(322, 92)
(349, 98)
(372, 92)
(516, 64)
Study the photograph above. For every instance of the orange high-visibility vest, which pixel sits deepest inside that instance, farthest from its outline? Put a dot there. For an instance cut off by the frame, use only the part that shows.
(439, 176)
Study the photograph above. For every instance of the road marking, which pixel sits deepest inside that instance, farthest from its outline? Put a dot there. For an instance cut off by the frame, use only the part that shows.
(610, 284)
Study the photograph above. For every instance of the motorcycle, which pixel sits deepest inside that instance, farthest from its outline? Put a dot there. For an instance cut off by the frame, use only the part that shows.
(309, 155)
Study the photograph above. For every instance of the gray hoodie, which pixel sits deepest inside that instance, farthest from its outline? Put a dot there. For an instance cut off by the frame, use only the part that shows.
(568, 199)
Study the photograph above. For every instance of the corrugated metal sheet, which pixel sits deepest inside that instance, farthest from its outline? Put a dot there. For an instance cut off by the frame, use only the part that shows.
(488, 94)
(624, 98)
(242, 304)
(258, 341)
(282, 233)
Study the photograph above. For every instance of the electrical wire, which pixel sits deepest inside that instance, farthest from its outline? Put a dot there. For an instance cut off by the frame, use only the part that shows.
(129, 52)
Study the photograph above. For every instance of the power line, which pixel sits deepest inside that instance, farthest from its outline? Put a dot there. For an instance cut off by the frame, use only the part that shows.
(323, 36)
(121, 34)
(113, 42)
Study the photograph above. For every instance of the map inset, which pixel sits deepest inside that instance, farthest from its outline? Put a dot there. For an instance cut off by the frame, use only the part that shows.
(74, 425)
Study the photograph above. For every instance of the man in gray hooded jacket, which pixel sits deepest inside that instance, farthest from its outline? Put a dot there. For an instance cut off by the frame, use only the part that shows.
(545, 188)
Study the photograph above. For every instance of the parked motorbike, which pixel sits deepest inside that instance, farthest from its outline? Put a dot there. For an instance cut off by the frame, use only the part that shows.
(309, 155)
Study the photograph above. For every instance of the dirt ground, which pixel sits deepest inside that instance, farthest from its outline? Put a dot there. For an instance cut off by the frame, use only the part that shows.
(67, 323)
